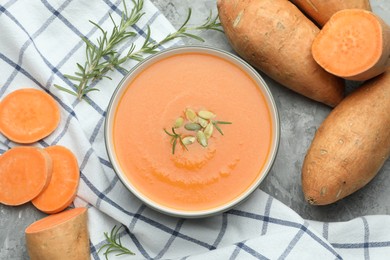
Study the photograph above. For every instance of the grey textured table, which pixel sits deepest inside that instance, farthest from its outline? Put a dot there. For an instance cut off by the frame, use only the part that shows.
(300, 117)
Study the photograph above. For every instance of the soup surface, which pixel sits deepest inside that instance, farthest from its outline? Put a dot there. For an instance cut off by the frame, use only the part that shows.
(196, 178)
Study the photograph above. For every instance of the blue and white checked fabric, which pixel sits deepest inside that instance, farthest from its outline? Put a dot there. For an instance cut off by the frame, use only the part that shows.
(40, 42)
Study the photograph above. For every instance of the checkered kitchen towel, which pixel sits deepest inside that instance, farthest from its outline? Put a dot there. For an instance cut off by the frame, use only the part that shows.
(40, 40)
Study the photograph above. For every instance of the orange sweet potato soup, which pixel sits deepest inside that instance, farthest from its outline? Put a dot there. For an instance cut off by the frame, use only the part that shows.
(194, 176)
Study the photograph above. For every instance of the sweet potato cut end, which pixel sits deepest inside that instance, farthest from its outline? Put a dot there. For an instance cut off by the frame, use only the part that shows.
(24, 173)
(54, 220)
(349, 44)
(28, 115)
(64, 182)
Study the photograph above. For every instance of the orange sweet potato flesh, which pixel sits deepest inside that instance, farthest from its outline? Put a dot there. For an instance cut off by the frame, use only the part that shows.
(321, 10)
(62, 189)
(24, 174)
(354, 44)
(28, 115)
(350, 146)
(275, 37)
(59, 236)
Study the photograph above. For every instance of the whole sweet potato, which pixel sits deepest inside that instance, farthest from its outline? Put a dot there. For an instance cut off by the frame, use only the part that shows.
(275, 37)
(321, 10)
(351, 145)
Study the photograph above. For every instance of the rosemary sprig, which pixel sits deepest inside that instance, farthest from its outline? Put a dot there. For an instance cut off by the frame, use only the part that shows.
(114, 244)
(174, 137)
(216, 123)
(103, 56)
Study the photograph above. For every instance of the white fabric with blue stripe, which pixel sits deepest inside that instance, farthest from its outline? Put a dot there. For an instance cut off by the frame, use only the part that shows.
(40, 42)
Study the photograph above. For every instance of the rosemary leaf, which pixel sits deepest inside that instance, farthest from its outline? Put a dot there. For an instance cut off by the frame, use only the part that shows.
(65, 90)
(91, 89)
(216, 123)
(223, 122)
(74, 78)
(218, 128)
(182, 143)
(186, 20)
(174, 145)
(193, 36)
(103, 56)
(168, 133)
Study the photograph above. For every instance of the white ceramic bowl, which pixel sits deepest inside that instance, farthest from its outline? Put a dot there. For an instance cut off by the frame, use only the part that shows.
(179, 50)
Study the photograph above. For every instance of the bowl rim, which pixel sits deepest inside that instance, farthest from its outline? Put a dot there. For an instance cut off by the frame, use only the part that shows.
(242, 64)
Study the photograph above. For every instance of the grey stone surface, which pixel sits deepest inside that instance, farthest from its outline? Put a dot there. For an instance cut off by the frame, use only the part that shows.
(300, 117)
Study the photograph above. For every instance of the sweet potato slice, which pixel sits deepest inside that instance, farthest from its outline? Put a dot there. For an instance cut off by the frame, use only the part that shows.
(354, 44)
(63, 185)
(24, 174)
(275, 37)
(28, 115)
(321, 10)
(350, 146)
(59, 236)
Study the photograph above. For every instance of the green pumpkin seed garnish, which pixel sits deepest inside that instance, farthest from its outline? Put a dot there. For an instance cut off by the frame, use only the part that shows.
(201, 138)
(191, 115)
(206, 114)
(202, 123)
(208, 131)
(189, 140)
(178, 122)
(192, 126)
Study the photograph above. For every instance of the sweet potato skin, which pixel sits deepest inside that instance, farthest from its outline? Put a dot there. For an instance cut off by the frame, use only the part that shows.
(68, 240)
(276, 38)
(350, 146)
(321, 10)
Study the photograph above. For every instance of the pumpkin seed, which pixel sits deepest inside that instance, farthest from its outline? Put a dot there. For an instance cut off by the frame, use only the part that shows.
(188, 140)
(208, 131)
(206, 114)
(202, 122)
(192, 126)
(178, 122)
(191, 115)
(201, 138)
